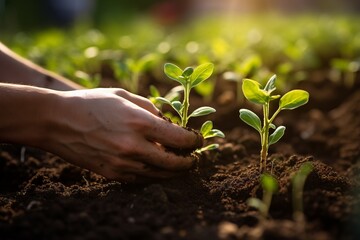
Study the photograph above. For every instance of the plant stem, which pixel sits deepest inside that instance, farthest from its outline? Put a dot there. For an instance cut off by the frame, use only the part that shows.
(186, 104)
(297, 197)
(274, 115)
(264, 138)
(267, 196)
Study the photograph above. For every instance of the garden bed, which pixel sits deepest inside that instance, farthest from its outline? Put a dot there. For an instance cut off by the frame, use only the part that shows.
(44, 197)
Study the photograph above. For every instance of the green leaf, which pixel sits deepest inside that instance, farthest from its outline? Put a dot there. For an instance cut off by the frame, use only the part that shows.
(174, 73)
(177, 106)
(154, 92)
(253, 93)
(214, 133)
(201, 111)
(206, 127)
(270, 85)
(174, 93)
(249, 65)
(187, 72)
(269, 183)
(143, 63)
(163, 100)
(276, 135)
(201, 73)
(251, 119)
(294, 99)
(272, 126)
(208, 147)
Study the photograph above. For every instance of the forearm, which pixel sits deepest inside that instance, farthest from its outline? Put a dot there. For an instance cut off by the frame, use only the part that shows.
(26, 113)
(15, 69)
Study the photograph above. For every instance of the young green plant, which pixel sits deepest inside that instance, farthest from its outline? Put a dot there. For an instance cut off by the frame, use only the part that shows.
(128, 72)
(190, 78)
(172, 95)
(255, 93)
(298, 183)
(270, 186)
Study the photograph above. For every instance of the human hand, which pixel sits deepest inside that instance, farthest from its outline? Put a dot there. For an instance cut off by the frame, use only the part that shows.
(118, 135)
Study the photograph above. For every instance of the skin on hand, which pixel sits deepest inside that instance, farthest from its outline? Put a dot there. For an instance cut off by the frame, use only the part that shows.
(118, 135)
(109, 131)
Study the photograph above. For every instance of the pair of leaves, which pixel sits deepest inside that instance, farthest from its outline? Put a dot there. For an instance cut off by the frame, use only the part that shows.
(194, 76)
(208, 148)
(177, 106)
(291, 100)
(253, 120)
(172, 95)
(207, 131)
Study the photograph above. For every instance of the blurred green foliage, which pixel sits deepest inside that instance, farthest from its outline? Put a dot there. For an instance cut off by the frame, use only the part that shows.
(243, 47)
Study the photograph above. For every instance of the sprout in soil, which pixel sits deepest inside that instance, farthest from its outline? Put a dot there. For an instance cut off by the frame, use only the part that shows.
(253, 92)
(172, 95)
(298, 182)
(190, 78)
(128, 72)
(270, 186)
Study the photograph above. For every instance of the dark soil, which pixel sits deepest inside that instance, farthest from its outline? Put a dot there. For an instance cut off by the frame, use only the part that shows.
(43, 197)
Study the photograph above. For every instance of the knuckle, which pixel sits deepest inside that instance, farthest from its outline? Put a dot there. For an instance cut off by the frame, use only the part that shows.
(120, 92)
(129, 147)
(141, 123)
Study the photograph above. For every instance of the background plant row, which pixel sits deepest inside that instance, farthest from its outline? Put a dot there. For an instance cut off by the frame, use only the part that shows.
(249, 46)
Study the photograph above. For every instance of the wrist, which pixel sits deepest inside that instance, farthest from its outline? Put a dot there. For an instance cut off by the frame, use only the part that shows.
(29, 113)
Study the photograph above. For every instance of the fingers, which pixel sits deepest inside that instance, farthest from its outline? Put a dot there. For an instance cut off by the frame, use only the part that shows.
(172, 135)
(155, 155)
(127, 170)
(162, 131)
(138, 100)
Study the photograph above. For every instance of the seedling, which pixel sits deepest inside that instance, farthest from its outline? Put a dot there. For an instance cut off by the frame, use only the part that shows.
(190, 78)
(298, 182)
(270, 186)
(172, 95)
(129, 71)
(246, 68)
(253, 92)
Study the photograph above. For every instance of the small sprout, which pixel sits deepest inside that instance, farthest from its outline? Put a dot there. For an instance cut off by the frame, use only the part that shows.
(253, 92)
(190, 78)
(129, 71)
(207, 131)
(158, 101)
(298, 182)
(270, 186)
(155, 97)
(246, 68)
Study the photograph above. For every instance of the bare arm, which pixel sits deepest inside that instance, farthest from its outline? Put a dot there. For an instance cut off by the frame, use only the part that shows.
(109, 131)
(15, 69)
